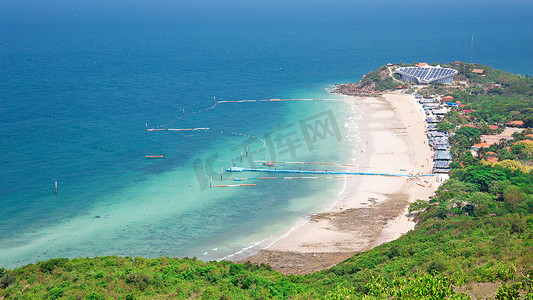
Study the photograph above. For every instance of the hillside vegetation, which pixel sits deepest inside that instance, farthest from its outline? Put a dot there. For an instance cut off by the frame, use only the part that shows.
(374, 83)
(478, 228)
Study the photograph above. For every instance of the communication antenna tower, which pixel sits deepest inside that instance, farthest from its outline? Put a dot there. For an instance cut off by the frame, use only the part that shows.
(472, 48)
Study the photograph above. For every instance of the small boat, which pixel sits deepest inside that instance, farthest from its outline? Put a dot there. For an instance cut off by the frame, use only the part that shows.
(155, 156)
(269, 164)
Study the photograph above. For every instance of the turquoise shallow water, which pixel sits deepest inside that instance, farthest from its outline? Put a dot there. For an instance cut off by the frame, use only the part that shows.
(80, 80)
(163, 209)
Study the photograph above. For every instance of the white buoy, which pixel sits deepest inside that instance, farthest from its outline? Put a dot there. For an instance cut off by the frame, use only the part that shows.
(56, 186)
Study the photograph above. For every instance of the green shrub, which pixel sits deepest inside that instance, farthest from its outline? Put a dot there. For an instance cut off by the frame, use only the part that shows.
(7, 280)
(50, 265)
(506, 292)
(55, 293)
(94, 296)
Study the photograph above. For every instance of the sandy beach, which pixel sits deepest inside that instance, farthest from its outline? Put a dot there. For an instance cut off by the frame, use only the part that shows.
(372, 209)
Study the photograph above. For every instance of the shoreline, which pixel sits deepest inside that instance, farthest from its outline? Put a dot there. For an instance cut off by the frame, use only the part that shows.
(372, 209)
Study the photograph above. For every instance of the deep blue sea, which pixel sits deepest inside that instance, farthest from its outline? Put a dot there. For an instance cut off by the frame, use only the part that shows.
(79, 81)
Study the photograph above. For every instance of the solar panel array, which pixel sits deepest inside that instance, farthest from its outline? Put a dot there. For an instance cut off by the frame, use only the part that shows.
(428, 74)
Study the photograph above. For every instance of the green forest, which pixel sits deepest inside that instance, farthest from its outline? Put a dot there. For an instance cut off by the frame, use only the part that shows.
(475, 234)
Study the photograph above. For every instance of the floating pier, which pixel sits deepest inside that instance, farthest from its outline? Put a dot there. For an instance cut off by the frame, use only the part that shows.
(233, 185)
(267, 162)
(155, 156)
(188, 129)
(239, 169)
(293, 177)
(276, 100)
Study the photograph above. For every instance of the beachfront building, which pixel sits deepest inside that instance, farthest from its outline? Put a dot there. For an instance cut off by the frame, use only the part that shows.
(447, 99)
(476, 147)
(438, 140)
(515, 124)
(441, 161)
(427, 74)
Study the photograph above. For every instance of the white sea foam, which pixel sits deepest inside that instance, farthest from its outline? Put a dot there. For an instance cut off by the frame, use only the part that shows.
(265, 243)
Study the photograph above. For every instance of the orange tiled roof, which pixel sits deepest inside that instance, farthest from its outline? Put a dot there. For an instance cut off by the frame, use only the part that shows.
(515, 123)
(480, 145)
(525, 141)
(478, 71)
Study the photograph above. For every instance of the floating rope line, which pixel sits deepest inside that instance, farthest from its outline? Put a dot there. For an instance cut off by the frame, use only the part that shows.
(182, 116)
(263, 144)
(215, 102)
